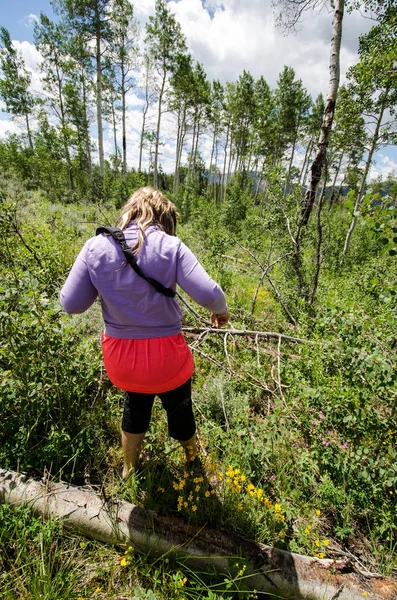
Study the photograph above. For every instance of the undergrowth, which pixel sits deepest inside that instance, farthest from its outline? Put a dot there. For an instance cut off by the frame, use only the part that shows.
(298, 440)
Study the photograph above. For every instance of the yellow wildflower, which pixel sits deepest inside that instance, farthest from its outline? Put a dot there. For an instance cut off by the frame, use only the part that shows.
(259, 493)
(318, 512)
(123, 562)
(277, 507)
(282, 534)
(194, 508)
(325, 542)
(97, 589)
(267, 503)
(207, 494)
(161, 489)
(183, 581)
(197, 488)
(365, 594)
(240, 506)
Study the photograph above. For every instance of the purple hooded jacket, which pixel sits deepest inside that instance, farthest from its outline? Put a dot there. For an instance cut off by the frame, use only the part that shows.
(131, 307)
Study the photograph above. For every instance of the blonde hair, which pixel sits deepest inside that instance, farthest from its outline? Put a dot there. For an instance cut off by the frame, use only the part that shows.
(148, 206)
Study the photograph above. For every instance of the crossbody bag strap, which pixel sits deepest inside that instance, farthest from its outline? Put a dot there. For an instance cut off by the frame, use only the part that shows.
(118, 235)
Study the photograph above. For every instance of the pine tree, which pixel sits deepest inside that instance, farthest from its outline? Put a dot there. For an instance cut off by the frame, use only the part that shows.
(165, 42)
(15, 82)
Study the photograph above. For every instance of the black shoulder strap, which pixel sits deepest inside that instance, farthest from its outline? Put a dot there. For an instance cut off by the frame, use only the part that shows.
(118, 235)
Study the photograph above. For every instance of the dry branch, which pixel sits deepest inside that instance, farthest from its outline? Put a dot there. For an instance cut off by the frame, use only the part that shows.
(265, 334)
(255, 382)
(273, 571)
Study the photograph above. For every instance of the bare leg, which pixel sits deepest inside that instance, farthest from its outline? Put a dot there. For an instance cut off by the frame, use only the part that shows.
(131, 445)
(190, 448)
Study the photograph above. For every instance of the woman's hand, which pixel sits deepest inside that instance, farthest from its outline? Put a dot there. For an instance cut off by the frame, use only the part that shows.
(220, 320)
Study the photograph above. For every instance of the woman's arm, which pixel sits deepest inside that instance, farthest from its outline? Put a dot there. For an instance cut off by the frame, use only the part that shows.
(78, 293)
(196, 282)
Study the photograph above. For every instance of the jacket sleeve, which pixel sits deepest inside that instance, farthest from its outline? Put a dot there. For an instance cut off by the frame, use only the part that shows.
(78, 292)
(196, 282)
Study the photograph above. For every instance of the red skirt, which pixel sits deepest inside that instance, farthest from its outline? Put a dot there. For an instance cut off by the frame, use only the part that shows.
(147, 366)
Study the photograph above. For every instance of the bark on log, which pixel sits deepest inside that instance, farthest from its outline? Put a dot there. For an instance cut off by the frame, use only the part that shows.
(114, 521)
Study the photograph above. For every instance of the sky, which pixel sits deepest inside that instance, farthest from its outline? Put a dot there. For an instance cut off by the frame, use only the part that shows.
(226, 36)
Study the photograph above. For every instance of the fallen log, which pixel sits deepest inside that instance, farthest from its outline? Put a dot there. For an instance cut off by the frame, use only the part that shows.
(114, 521)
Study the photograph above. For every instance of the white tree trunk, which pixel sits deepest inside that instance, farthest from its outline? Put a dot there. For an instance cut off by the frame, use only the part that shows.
(334, 75)
(117, 522)
(358, 202)
(99, 99)
(157, 142)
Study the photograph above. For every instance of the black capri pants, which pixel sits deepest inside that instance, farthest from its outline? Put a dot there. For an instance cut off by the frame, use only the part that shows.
(177, 403)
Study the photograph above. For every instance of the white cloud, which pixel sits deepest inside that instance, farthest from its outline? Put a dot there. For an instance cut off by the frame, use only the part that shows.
(134, 101)
(30, 20)
(242, 35)
(382, 166)
(228, 36)
(8, 127)
(32, 58)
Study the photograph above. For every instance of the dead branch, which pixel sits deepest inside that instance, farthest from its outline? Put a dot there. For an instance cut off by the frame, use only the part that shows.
(199, 317)
(225, 349)
(265, 273)
(279, 372)
(255, 382)
(265, 334)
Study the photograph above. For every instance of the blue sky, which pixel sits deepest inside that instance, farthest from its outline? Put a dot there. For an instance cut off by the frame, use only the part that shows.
(226, 36)
(14, 16)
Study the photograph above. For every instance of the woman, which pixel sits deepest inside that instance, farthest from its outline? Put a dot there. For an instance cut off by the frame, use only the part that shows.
(144, 351)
